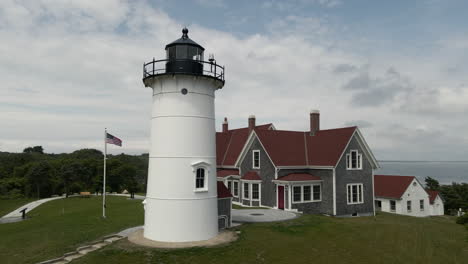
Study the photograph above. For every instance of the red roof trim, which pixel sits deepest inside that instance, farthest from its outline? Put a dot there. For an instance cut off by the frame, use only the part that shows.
(251, 176)
(225, 173)
(391, 186)
(299, 177)
(223, 192)
(432, 195)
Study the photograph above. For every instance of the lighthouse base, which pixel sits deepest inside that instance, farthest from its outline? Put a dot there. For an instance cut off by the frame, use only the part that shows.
(223, 237)
(181, 220)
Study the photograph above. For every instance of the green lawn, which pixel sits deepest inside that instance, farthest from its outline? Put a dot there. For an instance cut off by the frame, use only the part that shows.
(8, 205)
(62, 225)
(317, 239)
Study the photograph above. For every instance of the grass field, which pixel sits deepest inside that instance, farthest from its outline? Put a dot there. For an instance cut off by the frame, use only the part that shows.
(8, 205)
(59, 226)
(317, 239)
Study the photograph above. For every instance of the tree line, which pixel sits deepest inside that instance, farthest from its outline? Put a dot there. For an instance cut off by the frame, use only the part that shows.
(36, 174)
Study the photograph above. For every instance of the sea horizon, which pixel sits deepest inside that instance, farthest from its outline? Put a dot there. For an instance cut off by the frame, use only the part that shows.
(445, 172)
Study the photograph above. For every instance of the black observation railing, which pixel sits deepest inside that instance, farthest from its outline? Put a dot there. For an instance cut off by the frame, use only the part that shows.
(183, 66)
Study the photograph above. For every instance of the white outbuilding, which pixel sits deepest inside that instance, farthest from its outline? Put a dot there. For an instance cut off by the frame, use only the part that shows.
(405, 195)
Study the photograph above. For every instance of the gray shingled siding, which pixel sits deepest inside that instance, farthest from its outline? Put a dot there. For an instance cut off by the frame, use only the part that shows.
(224, 208)
(266, 172)
(323, 207)
(344, 176)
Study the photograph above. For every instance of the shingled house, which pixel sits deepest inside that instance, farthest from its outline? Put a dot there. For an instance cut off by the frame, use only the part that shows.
(317, 171)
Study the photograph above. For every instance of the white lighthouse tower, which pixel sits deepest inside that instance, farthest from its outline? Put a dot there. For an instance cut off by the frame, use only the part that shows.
(181, 196)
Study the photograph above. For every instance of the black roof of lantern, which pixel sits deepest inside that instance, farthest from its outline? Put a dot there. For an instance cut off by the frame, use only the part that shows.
(184, 40)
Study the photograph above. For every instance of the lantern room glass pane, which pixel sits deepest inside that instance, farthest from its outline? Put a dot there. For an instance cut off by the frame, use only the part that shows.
(171, 53)
(181, 52)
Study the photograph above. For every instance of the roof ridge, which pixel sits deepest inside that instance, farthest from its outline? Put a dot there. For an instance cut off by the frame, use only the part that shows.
(227, 149)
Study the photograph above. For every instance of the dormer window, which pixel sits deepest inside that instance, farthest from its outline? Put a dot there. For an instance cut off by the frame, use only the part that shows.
(256, 159)
(201, 171)
(354, 160)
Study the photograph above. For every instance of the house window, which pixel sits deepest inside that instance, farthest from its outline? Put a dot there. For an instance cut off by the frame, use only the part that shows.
(421, 205)
(354, 160)
(229, 186)
(392, 205)
(246, 190)
(297, 193)
(255, 191)
(256, 159)
(355, 193)
(200, 179)
(317, 193)
(408, 206)
(307, 193)
(236, 188)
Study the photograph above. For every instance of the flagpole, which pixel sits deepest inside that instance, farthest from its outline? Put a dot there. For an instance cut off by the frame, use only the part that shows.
(104, 180)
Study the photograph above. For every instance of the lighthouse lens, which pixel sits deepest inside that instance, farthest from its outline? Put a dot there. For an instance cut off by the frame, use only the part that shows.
(184, 91)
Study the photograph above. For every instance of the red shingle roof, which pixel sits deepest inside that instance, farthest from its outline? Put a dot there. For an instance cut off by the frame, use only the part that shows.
(299, 177)
(223, 192)
(229, 144)
(391, 186)
(432, 195)
(224, 173)
(252, 176)
(292, 148)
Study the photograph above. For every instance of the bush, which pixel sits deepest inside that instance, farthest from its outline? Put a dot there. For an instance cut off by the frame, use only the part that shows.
(462, 220)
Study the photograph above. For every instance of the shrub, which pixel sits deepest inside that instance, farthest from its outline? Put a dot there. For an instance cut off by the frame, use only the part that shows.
(462, 220)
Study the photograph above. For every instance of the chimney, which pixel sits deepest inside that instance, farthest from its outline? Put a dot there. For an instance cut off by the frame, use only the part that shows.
(314, 121)
(225, 125)
(251, 122)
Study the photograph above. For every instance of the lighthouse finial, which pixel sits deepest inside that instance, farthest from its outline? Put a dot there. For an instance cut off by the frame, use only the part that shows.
(184, 33)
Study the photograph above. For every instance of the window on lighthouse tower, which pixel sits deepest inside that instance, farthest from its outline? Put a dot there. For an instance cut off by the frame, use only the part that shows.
(200, 179)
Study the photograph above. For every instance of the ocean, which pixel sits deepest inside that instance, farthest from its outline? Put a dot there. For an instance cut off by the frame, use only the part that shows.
(445, 172)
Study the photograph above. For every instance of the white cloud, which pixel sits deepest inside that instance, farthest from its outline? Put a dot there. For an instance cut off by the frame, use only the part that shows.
(69, 69)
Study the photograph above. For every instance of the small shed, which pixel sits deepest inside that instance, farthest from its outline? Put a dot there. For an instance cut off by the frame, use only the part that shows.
(224, 206)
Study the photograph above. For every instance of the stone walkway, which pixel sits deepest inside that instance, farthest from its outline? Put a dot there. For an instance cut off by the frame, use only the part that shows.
(261, 215)
(16, 213)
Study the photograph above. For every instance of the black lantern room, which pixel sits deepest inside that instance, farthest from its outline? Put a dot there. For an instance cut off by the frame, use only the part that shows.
(184, 55)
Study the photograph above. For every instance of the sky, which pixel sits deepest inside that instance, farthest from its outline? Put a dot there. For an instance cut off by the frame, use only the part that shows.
(396, 69)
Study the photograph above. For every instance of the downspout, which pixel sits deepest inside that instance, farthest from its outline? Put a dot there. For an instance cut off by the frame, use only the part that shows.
(334, 191)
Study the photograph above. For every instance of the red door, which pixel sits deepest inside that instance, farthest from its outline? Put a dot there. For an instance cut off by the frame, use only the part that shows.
(281, 197)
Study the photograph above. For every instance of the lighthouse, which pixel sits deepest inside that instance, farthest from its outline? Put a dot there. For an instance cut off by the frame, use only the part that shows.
(181, 196)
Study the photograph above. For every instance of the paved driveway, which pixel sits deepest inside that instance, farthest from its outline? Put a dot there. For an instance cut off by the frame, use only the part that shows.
(261, 215)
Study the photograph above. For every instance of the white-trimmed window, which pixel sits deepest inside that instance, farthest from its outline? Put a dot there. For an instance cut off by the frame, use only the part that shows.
(297, 193)
(200, 179)
(256, 159)
(235, 189)
(255, 191)
(307, 193)
(355, 193)
(392, 205)
(421, 205)
(354, 160)
(408, 206)
(246, 190)
(229, 186)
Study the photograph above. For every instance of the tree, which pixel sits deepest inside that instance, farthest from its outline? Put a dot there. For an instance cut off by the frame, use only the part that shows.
(432, 184)
(35, 149)
(38, 179)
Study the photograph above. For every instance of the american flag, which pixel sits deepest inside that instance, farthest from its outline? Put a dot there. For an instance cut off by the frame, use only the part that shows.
(113, 140)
